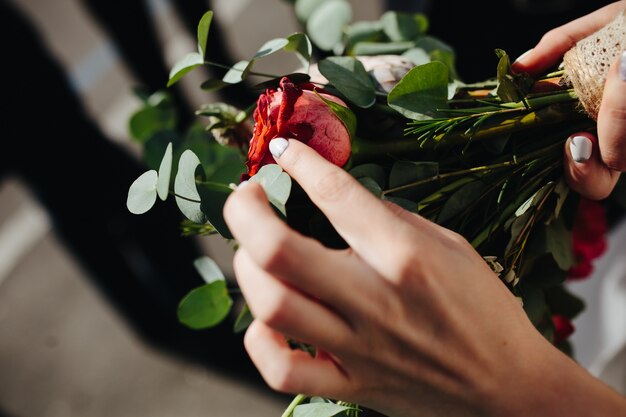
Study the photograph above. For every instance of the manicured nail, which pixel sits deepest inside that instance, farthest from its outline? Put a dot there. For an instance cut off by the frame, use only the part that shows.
(242, 184)
(278, 146)
(622, 66)
(523, 56)
(581, 148)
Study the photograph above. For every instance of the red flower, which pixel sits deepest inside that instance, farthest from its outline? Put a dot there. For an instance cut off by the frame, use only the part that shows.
(297, 112)
(563, 328)
(588, 236)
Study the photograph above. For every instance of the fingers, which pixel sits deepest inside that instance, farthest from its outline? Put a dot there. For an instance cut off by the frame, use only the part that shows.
(584, 169)
(612, 117)
(289, 256)
(288, 311)
(292, 371)
(355, 212)
(555, 43)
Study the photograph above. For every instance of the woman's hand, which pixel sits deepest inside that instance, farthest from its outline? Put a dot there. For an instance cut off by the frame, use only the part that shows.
(410, 321)
(592, 165)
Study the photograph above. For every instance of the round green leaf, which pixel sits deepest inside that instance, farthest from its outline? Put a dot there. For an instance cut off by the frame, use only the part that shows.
(276, 183)
(348, 75)
(300, 44)
(205, 306)
(304, 8)
(320, 410)
(326, 23)
(381, 48)
(142, 193)
(165, 172)
(182, 67)
(271, 47)
(238, 72)
(203, 32)
(422, 92)
(187, 197)
(208, 269)
(403, 26)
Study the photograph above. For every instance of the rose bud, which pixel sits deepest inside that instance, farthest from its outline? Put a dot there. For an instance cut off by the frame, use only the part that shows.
(296, 112)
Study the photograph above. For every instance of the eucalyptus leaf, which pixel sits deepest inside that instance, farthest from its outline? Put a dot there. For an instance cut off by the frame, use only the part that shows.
(406, 172)
(319, 410)
(276, 183)
(213, 84)
(187, 197)
(213, 197)
(422, 92)
(208, 270)
(381, 48)
(203, 32)
(142, 193)
(460, 200)
(371, 185)
(165, 172)
(300, 44)
(348, 75)
(400, 26)
(431, 44)
(244, 320)
(364, 31)
(270, 47)
(238, 72)
(507, 89)
(418, 56)
(206, 306)
(373, 171)
(326, 23)
(304, 8)
(558, 242)
(187, 63)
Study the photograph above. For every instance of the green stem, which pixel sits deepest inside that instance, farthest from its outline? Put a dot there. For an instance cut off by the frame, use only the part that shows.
(184, 198)
(299, 399)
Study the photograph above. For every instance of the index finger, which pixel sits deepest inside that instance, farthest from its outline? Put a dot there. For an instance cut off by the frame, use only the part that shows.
(553, 45)
(356, 214)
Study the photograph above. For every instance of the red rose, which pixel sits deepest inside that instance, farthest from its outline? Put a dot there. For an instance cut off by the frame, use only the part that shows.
(588, 237)
(297, 112)
(563, 328)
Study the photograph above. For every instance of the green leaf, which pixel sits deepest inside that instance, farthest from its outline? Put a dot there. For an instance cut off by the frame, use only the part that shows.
(270, 47)
(296, 78)
(187, 63)
(165, 172)
(364, 31)
(371, 185)
(213, 84)
(403, 202)
(403, 26)
(238, 72)
(148, 121)
(422, 92)
(373, 171)
(304, 8)
(203, 32)
(348, 75)
(319, 410)
(276, 183)
(430, 44)
(244, 319)
(188, 199)
(300, 44)
(142, 193)
(206, 306)
(460, 200)
(507, 89)
(559, 244)
(326, 23)
(208, 270)
(381, 48)
(214, 196)
(418, 56)
(406, 172)
(344, 114)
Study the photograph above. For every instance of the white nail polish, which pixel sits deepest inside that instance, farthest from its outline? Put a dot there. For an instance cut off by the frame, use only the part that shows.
(523, 56)
(278, 146)
(581, 148)
(622, 66)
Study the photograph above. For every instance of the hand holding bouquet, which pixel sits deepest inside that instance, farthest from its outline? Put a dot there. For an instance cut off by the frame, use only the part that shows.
(430, 316)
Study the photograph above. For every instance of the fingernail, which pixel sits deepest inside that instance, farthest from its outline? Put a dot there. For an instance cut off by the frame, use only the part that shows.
(242, 184)
(581, 148)
(622, 66)
(278, 146)
(523, 56)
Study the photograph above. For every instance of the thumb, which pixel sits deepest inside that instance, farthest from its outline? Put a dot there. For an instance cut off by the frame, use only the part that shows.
(612, 117)
(584, 170)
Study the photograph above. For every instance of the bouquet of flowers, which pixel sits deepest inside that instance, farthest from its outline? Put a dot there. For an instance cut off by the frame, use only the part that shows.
(482, 159)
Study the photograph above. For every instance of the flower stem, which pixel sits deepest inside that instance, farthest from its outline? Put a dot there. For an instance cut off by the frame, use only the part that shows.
(299, 399)
(226, 67)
